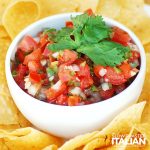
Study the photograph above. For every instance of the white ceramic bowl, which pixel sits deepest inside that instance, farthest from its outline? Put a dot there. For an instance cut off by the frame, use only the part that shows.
(65, 121)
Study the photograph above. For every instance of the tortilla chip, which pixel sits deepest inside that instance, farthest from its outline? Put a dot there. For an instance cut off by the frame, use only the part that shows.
(51, 7)
(27, 138)
(109, 8)
(147, 1)
(14, 23)
(78, 141)
(3, 6)
(3, 33)
(96, 143)
(147, 47)
(86, 4)
(144, 129)
(51, 147)
(123, 122)
(145, 95)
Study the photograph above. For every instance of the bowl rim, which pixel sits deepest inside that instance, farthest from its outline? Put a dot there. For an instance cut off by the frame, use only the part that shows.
(107, 21)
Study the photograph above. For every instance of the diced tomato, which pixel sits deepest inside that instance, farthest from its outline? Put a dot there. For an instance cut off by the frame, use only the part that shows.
(89, 12)
(119, 88)
(28, 44)
(97, 69)
(68, 57)
(84, 70)
(134, 56)
(43, 41)
(20, 55)
(65, 75)
(120, 36)
(73, 100)
(20, 81)
(126, 69)
(107, 94)
(34, 66)
(46, 52)
(86, 82)
(35, 55)
(22, 70)
(35, 77)
(114, 77)
(69, 24)
(62, 99)
(52, 94)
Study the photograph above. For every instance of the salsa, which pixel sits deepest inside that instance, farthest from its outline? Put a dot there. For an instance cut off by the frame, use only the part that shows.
(83, 63)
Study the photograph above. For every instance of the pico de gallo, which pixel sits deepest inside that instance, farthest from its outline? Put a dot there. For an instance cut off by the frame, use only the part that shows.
(85, 62)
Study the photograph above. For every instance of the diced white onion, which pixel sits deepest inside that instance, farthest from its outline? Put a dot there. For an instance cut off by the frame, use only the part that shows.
(43, 62)
(133, 47)
(77, 79)
(132, 73)
(102, 72)
(106, 80)
(37, 39)
(57, 85)
(51, 78)
(33, 89)
(78, 91)
(105, 86)
(75, 67)
(55, 55)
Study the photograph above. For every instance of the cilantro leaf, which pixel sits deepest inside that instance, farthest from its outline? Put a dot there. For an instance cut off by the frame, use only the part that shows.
(105, 53)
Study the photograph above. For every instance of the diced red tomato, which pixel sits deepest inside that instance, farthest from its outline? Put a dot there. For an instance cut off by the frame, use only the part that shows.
(20, 55)
(28, 44)
(113, 77)
(22, 70)
(43, 41)
(68, 57)
(89, 12)
(35, 77)
(73, 100)
(86, 82)
(52, 94)
(107, 94)
(126, 69)
(34, 66)
(134, 56)
(35, 55)
(84, 70)
(46, 52)
(120, 36)
(69, 24)
(65, 75)
(119, 88)
(97, 69)
(62, 99)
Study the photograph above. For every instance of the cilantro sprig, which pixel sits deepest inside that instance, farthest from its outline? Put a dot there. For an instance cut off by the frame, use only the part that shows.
(90, 36)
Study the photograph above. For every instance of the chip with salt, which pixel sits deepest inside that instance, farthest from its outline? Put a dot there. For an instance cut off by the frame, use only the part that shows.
(27, 139)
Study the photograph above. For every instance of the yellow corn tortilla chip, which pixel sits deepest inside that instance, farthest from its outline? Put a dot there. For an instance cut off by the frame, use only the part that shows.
(51, 147)
(144, 129)
(3, 6)
(123, 122)
(147, 47)
(145, 95)
(96, 143)
(78, 141)
(147, 1)
(3, 33)
(50, 7)
(109, 8)
(86, 4)
(13, 22)
(27, 138)
(9, 114)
